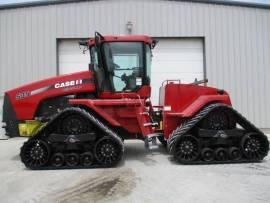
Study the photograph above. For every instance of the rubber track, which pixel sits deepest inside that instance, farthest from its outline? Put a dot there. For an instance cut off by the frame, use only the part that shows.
(190, 123)
(42, 134)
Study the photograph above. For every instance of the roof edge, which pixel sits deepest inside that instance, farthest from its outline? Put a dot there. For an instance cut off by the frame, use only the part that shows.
(55, 2)
(39, 3)
(230, 3)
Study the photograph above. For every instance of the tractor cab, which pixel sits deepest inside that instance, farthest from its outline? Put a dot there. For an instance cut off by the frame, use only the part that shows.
(121, 64)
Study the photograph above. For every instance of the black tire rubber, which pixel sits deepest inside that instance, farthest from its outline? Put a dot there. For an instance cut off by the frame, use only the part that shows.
(187, 149)
(221, 154)
(108, 151)
(35, 153)
(86, 159)
(235, 153)
(72, 159)
(74, 124)
(162, 141)
(207, 154)
(57, 159)
(219, 120)
(254, 146)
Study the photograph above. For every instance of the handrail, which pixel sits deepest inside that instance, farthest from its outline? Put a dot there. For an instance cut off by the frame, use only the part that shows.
(198, 82)
(171, 80)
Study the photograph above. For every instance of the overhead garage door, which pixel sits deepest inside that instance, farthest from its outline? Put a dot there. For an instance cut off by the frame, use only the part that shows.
(172, 59)
(176, 59)
(71, 58)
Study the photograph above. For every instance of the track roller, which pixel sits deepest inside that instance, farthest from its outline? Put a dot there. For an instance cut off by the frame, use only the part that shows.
(207, 154)
(72, 159)
(86, 159)
(57, 160)
(235, 153)
(221, 154)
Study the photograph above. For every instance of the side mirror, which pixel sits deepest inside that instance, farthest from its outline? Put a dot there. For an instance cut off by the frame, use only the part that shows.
(98, 38)
(154, 43)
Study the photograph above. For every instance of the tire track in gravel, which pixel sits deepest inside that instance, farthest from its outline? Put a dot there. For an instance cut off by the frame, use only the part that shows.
(107, 185)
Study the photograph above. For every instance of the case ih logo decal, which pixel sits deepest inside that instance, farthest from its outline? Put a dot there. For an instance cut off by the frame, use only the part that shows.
(68, 83)
(67, 86)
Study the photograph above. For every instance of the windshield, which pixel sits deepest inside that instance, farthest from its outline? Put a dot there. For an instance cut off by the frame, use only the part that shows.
(124, 61)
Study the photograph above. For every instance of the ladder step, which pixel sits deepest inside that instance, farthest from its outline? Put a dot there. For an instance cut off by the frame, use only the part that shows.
(150, 124)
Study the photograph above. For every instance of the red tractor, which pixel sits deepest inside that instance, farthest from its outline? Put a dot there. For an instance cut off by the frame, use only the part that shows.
(82, 119)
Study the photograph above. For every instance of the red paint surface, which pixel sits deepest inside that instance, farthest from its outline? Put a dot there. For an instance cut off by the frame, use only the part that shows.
(131, 38)
(125, 112)
(25, 108)
(186, 100)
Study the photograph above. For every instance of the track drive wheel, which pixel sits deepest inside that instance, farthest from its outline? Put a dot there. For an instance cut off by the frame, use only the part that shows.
(57, 160)
(108, 152)
(254, 146)
(207, 154)
(187, 149)
(35, 153)
(218, 120)
(86, 159)
(74, 124)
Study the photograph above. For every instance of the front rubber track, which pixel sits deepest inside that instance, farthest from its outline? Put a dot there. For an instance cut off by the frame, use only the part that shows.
(106, 148)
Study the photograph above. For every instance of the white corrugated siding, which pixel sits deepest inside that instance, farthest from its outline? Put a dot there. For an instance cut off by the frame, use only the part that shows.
(237, 43)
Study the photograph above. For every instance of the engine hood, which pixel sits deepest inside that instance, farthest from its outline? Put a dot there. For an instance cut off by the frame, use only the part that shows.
(26, 98)
(63, 82)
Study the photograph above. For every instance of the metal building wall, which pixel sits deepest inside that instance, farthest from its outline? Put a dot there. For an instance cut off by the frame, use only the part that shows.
(237, 42)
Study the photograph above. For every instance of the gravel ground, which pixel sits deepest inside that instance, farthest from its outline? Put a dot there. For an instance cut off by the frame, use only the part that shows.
(143, 176)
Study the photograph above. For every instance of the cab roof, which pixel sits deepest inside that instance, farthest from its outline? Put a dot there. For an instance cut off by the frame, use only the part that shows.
(126, 38)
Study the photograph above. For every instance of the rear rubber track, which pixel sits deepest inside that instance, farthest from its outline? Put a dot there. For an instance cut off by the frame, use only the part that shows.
(185, 130)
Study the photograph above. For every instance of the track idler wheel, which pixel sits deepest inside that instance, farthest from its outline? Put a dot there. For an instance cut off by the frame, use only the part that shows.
(86, 159)
(207, 154)
(35, 153)
(254, 146)
(187, 149)
(57, 160)
(235, 153)
(72, 159)
(221, 154)
(108, 151)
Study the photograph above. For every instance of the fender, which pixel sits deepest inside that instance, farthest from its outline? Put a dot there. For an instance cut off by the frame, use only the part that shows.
(119, 112)
(98, 106)
(202, 101)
